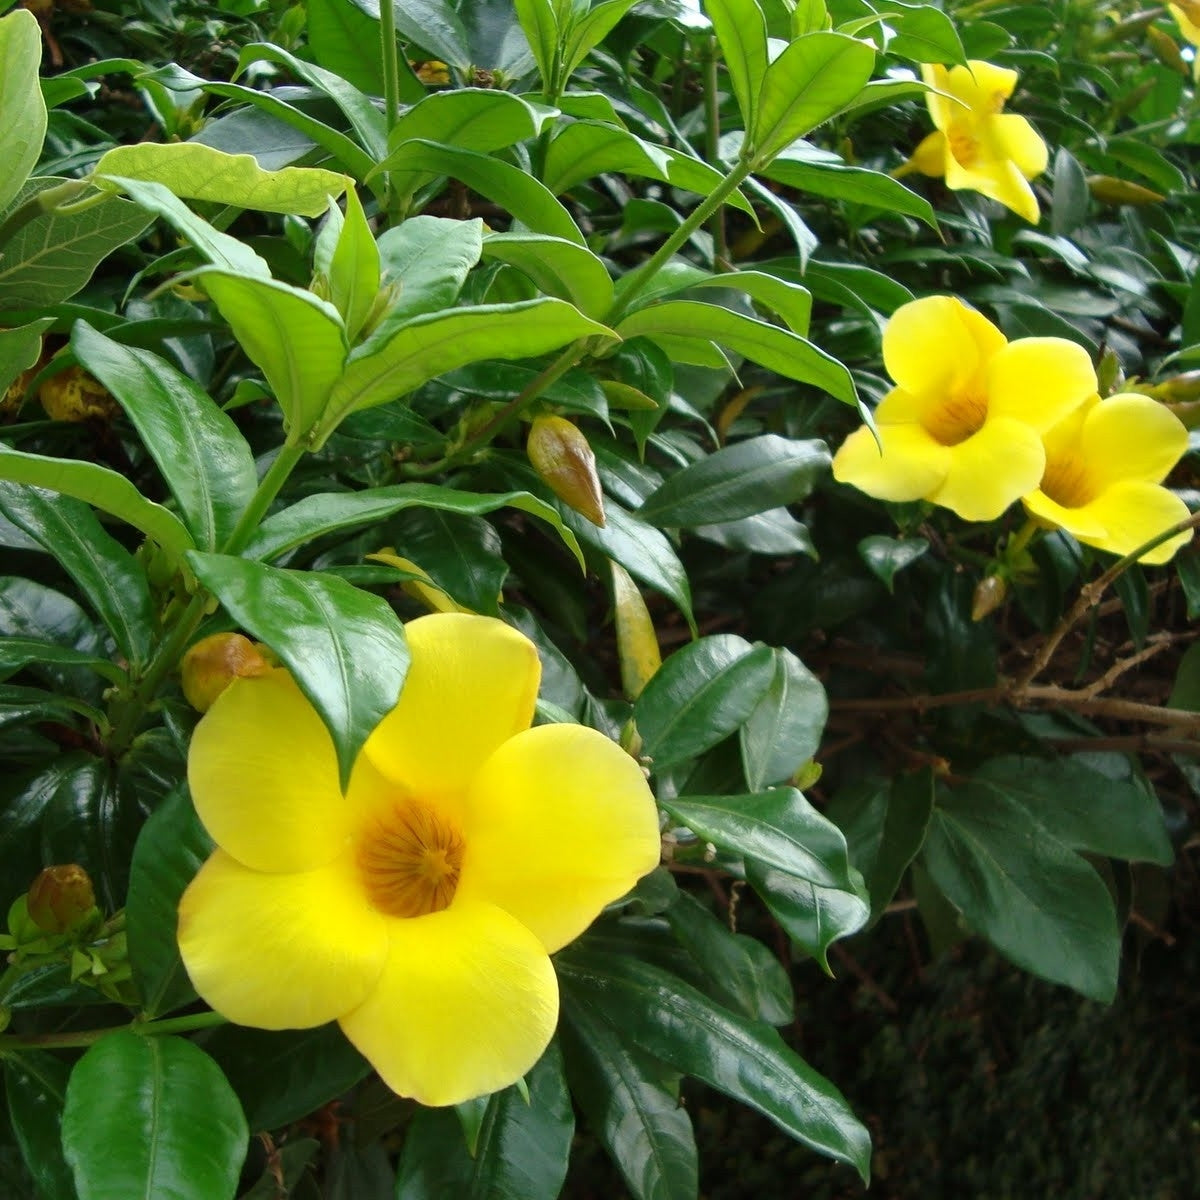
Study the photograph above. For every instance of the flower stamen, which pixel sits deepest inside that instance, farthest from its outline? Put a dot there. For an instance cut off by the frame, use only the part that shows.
(956, 418)
(1066, 482)
(410, 861)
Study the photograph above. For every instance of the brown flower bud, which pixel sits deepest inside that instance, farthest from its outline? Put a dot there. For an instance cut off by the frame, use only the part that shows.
(60, 898)
(1166, 50)
(1110, 190)
(562, 457)
(990, 592)
(213, 663)
(73, 395)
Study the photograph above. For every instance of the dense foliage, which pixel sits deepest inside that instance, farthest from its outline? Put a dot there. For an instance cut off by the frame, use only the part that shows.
(808, 381)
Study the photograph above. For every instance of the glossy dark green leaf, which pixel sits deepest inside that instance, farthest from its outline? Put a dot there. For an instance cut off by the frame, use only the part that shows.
(17, 653)
(152, 1116)
(169, 851)
(103, 570)
(742, 967)
(426, 259)
(328, 512)
(539, 20)
(199, 450)
(885, 826)
(629, 1106)
(784, 730)
(345, 647)
(1134, 593)
(521, 1149)
(460, 553)
(1185, 691)
(777, 828)
(742, 34)
(1112, 812)
(35, 1085)
(738, 481)
(673, 1022)
(701, 694)
(1035, 900)
(106, 489)
(282, 1076)
(774, 532)
(814, 917)
(887, 556)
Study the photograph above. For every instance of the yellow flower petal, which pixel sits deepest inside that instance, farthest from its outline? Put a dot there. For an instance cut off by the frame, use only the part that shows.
(559, 823)
(1189, 28)
(264, 778)
(1131, 437)
(472, 685)
(1078, 522)
(999, 180)
(910, 466)
(1017, 140)
(929, 157)
(991, 469)
(937, 346)
(280, 951)
(1039, 380)
(1131, 513)
(466, 1004)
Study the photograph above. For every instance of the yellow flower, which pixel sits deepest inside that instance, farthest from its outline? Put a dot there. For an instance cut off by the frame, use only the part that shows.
(1187, 17)
(962, 426)
(976, 145)
(1104, 464)
(418, 910)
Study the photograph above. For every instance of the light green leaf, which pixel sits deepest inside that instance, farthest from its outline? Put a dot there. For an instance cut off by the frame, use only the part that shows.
(589, 31)
(22, 109)
(540, 24)
(480, 119)
(742, 33)
(558, 267)
(350, 266)
(426, 259)
(20, 348)
(337, 32)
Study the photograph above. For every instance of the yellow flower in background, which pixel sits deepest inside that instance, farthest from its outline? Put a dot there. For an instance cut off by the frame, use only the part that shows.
(1104, 464)
(976, 145)
(1187, 17)
(419, 909)
(962, 428)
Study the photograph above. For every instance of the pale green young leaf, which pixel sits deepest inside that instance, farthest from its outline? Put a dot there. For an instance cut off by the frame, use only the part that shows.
(477, 119)
(540, 23)
(741, 31)
(589, 31)
(353, 270)
(22, 109)
(558, 267)
(425, 261)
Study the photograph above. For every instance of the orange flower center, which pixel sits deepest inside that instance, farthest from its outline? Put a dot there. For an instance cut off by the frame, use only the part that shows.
(1065, 481)
(963, 145)
(956, 418)
(410, 861)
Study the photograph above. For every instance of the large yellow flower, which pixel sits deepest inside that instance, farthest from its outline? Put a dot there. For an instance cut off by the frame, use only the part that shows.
(976, 145)
(962, 428)
(1187, 17)
(420, 908)
(1104, 463)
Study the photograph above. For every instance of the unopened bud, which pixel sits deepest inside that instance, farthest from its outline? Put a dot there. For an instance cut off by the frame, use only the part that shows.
(73, 395)
(1110, 190)
(213, 663)
(1180, 388)
(562, 457)
(1166, 50)
(60, 898)
(990, 592)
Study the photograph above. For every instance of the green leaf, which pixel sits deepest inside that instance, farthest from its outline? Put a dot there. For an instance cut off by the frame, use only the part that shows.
(194, 171)
(169, 851)
(52, 256)
(777, 828)
(673, 1022)
(540, 24)
(1114, 813)
(521, 1150)
(814, 917)
(637, 1118)
(777, 349)
(329, 512)
(152, 1116)
(345, 647)
(201, 453)
(337, 32)
(480, 119)
(738, 481)
(18, 653)
(346, 259)
(1071, 200)
(35, 1085)
(589, 30)
(20, 348)
(426, 259)
(922, 33)
(104, 571)
(100, 486)
(885, 827)
(742, 33)
(518, 193)
(435, 25)
(558, 267)
(791, 301)
(431, 345)
(814, 78)
(22, 109)
(886, 556)
(748, 974)
(702, 693)
(297, 340)
(1035, 900)
(784, 730)
(461, 554)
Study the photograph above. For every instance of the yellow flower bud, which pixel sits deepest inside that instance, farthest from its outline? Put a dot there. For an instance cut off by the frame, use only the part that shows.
(637, 643)
(60, 898)
(73, 395)
(213, 663)
(1110, 190)
(562, 457)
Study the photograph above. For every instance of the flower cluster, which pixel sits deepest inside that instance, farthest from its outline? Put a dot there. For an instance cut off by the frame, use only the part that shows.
(976, 422)
(975, 144)
(419, 909)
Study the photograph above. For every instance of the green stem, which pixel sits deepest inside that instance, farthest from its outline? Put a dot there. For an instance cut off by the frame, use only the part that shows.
(40, 204)
(712, 143)
(268, 488)
(87, 1037)
(391, 82)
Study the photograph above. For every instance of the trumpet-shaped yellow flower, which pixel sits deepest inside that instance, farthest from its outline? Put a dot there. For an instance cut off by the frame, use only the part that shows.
(1104, 464)
(419, 909)
(962, 428)
(975, 144)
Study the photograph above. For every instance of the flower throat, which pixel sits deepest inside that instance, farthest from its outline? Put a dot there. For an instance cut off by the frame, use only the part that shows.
(410, 861)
